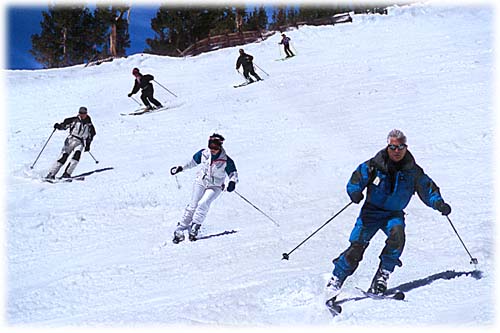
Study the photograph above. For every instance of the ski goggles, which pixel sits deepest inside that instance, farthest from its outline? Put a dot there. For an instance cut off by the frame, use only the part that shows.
(214, 147)
(398, 147)
(215, 144)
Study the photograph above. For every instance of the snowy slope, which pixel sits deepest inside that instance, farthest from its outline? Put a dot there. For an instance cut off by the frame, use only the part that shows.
(98, 253)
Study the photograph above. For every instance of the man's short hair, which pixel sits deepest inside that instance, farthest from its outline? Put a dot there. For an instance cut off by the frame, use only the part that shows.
(397, 134)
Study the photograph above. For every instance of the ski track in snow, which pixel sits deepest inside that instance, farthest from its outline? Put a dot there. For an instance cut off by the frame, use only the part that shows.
(99, 252)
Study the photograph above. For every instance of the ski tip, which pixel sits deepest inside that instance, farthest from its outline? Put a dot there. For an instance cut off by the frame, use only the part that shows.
(399, 295)
(334, 308)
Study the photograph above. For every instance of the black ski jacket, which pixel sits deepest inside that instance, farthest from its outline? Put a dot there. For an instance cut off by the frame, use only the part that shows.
(244, 60)
(144, 84)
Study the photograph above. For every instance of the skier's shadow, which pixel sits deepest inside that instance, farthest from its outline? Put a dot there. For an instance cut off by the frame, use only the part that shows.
(91, 172)
(217, 235)
(405, 287)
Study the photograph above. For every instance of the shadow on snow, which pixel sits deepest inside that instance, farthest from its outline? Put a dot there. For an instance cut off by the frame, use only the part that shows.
(405, 287)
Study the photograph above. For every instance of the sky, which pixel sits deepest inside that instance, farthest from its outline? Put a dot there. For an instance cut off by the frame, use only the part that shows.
(24, 21)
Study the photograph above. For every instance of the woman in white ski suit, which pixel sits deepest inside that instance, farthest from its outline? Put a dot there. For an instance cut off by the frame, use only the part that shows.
(209, 184)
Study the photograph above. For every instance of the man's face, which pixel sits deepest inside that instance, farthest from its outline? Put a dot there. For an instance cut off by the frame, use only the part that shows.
(396, 149)
(82, 115)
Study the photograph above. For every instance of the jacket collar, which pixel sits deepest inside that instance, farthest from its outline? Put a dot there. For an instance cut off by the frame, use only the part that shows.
(381, 161)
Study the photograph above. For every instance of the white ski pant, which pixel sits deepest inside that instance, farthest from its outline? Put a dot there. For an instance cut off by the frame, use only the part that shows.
(197, 209)
(70, 144)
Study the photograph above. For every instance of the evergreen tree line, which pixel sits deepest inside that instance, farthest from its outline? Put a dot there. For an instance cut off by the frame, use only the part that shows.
(73, 34)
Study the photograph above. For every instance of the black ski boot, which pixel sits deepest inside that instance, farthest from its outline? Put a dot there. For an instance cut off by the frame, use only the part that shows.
(193, 231)
(178, 237)
(379, 282)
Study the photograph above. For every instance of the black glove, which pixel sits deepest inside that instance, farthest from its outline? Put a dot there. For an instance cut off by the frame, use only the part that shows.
(57, 126)
(129, 95)
(87, 145)
(443, 207)
(356, 197)
(230, 186)
(175, 170)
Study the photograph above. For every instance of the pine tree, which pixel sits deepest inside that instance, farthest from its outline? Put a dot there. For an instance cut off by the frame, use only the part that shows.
(62, 41)
(279, 18)
(257, 19)
(112, 29)
(178, 28)
(262, 18)
(72, 35)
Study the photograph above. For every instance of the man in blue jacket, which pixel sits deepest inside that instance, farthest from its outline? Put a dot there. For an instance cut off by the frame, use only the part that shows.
(391, 178)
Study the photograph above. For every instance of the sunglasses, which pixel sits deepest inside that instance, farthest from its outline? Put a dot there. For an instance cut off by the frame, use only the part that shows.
(212, 147)
(398, 147)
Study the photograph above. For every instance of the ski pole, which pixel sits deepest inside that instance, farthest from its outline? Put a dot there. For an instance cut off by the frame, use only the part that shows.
(31, 167)
(261, 69)
(294, 48)
(96, 161)
(246, 200)
(286, 255)
(135, 100)
(241, 73)
(164, 88)
(472, 260)
(246, 80)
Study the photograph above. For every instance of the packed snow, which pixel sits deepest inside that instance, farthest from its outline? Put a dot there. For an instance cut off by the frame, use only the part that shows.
(98, 253)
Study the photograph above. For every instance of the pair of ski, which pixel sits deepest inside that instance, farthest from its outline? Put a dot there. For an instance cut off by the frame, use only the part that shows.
(335, 309)
(144, 110)
(63, 180)
(246, 83)
(283, 59)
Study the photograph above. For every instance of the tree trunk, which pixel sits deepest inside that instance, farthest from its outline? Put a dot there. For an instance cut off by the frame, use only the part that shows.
(112, 37)
(112, 40)
(65, 54)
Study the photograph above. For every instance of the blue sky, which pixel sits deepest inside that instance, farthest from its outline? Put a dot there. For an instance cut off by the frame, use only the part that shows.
(24, 21)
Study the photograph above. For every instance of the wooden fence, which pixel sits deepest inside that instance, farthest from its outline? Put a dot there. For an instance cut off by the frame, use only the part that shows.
(212, 43)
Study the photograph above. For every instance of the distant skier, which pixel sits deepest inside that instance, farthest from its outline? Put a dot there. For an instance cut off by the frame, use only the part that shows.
(246, 60)
(143, 82)
(81, 134)
(391, 179)
(209, 184)
(285, 41)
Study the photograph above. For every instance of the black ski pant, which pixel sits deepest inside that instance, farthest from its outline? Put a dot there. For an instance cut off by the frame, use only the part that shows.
(250, 70)
(147, 97)
(288, 52)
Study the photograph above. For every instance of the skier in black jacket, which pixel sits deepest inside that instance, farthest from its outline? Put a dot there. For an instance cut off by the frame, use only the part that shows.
(81, 134)
(143, 82)
(245, 60)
